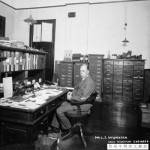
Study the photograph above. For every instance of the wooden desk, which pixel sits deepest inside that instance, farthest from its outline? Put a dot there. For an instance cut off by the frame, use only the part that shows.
(19, 125)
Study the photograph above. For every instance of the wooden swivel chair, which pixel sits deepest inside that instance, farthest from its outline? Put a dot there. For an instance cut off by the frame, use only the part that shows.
(79, 118)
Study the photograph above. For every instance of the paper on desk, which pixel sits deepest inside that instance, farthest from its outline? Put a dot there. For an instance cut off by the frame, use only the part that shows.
(8, 88)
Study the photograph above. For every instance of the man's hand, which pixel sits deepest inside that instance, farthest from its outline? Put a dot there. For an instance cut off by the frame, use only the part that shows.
(69, 95)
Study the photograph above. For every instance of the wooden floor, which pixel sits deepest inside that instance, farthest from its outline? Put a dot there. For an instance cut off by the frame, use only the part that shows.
(104, 132)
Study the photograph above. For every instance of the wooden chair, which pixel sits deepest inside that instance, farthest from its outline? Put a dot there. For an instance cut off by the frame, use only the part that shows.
(79, 118)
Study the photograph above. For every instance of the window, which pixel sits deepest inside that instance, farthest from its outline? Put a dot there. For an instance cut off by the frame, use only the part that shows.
(2, 26)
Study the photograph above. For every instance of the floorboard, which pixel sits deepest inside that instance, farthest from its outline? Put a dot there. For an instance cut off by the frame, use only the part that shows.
(104, 132)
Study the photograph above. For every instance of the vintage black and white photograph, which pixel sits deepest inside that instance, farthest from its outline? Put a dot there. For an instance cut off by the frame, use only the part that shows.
(74, 74)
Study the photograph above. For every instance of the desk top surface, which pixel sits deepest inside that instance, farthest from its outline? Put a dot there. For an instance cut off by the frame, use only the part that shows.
(32, 101)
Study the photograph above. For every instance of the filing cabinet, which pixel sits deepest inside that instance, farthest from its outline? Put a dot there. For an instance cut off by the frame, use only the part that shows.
(66, 74)
(96, 71)
(146, 85)
(123, 79)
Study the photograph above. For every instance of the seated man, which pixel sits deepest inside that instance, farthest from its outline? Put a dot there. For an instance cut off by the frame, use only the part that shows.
(80, 93)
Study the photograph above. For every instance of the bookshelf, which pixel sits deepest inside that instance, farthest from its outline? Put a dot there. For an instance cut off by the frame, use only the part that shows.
(22, 64)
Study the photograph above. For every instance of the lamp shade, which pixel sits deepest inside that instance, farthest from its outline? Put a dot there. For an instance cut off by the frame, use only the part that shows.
(125, 41)
(30, 20)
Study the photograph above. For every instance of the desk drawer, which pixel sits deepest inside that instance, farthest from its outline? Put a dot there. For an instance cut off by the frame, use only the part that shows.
(39, 113)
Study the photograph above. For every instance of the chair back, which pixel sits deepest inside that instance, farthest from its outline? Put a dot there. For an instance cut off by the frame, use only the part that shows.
(92, 98)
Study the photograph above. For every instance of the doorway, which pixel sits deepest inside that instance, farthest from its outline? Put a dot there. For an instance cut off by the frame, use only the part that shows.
(42, 37)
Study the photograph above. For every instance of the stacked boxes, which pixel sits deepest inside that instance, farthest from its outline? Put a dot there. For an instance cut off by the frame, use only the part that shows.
(95, 69)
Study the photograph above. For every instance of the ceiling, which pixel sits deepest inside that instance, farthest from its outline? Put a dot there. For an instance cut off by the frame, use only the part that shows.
(17, 4)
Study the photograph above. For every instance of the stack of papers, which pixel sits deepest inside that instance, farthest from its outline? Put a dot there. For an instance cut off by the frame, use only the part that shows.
(31, 101)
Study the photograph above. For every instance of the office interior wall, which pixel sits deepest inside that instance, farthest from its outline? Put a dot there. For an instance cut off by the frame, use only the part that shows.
(97, 27)
(9, 14)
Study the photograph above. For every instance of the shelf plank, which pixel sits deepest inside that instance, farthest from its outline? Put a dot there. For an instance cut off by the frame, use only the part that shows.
(6, 48)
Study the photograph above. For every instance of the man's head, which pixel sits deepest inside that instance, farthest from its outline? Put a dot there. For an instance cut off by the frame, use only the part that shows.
(84, 71)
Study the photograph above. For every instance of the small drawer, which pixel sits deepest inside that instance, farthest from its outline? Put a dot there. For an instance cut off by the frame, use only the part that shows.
(117, 97)
(108, 62)
(127, 74)
(128, 68)
(138, 72)
(126, 98)
(94, 61)
(118, 62)
(118, 67)
(108, 92)
(117, 80)
(108, 79)
(126, 93)
(138, 67)
(107, 88)
(108, 75)
(107, 97)
(126, 63)
(108, 67)
(69, 85)
(108, 71)
(137, 95)
(138, 81)
(117, 88)
(118, 72)
(70, 82)
(97, 80)
(94, 69)
(138, 90)
(125, 81)
(127, 89)
(91, 57)
(139, 63)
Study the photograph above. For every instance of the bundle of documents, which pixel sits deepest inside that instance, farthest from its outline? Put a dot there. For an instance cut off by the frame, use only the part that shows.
(31, 101)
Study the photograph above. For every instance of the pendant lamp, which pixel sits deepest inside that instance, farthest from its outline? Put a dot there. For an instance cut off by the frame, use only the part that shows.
(125, 41)
(30, 20)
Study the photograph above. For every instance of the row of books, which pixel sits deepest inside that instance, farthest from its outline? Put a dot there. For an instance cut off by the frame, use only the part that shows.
(17, 61)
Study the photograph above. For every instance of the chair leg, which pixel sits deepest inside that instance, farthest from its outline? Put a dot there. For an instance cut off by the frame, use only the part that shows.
(82, 136)
(71, 133)
(87, 133)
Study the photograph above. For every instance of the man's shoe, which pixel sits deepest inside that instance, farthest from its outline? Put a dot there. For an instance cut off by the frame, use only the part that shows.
(54, 130)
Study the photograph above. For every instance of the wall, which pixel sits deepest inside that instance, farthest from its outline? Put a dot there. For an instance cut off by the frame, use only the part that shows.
(97, 27)
(9, 13)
